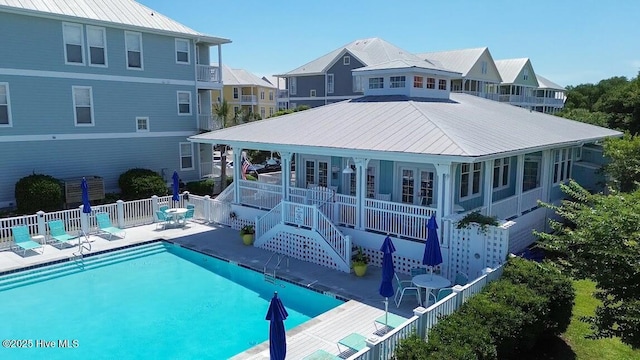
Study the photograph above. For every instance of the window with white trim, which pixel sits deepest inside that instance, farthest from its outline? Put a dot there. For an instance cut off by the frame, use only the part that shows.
(330, 86)
(82, 105)
(531, 178)
(186, 156)
(418, 82)
(483, 66)
(501, 173)
(133, 44)
(142, 124)
(431, 83)
(184, 103)
(270, 95)
(316, 172)
(346, 60)
(236, 93)
(357, 84)
(97, 44)
(182, 51)
(397, 81)
(470, 179)
(270, 111)
(263, 112)
(442, 84)
(376, 83)
(5, 106)
(426, 188)
(293, 88)
(312, 93)
(525, 74)
(261, 94)
(73, 43)
(561, 165)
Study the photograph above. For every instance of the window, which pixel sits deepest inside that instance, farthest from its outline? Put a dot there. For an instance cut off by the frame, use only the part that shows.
(346, 60)
(186, 156)
(270, 95)
(236, 110)
(484, 67)
(418, 81)
(577, 153)
(73, 40)
(397, 81)
(426, 188)
(525, 74)
(97, 43)
(142, 124)
(357, 84)
(310, 172)
(261, 94)
(531, 180)
(5, 107)
(292, 86)
(312, 92)
(330, 83)
(500, 173)
(407, 186)
(470, 179)
(431, 83)
(376, 83)
(133, 44)
(83, 105)
(182, 51)
(561, 165)
(184, 103)
(371, 182)
(270, 111)
(442, 84)
(235, 93)
(316, 172)
(263, 112)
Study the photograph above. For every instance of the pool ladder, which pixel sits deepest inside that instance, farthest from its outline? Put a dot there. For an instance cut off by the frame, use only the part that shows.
(82, 245)
(270, 277)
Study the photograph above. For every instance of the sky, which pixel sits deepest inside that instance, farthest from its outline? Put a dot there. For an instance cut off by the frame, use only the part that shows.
(570, 42)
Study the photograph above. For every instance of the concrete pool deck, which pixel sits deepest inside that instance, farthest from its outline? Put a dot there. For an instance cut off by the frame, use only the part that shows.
(322, 332)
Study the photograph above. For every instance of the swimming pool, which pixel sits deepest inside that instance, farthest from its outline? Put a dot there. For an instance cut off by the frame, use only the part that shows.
(156, 301)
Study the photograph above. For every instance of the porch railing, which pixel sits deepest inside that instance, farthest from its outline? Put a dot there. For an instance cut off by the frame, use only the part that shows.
(208, 73)
(397, 218)
(508, 207)
(268, 221)
(259, 194)
(208, 122)
(248, 99)
(530, 198)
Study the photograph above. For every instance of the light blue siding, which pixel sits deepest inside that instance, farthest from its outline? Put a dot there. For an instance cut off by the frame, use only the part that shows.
(386, 177)
(510, 190)
(334, 180)
(470, 203)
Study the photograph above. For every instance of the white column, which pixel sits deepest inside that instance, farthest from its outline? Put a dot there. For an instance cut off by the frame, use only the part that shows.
(488, 185)
(545, 174)
(443, 173)
(519, 181)
(361, 190)
(237, 171)
(42, 230)
(285, 166)
(120, 208)
(220, 67)
(84, 219)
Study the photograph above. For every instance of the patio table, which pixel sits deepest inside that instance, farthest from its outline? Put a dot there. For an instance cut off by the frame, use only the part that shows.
(430, 282)
(176, 213)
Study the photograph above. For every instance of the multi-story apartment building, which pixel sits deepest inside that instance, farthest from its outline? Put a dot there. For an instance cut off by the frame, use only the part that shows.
(88, 91)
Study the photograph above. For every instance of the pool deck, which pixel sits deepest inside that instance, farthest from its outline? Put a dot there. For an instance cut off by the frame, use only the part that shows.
(322, 332)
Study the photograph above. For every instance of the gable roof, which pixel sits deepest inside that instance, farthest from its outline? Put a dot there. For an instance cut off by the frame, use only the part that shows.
(400, 128)
(461, 61)
(510, 68)
(545, 83)
(368, 51)
(241, 77)
(123, 13)
(406, 64)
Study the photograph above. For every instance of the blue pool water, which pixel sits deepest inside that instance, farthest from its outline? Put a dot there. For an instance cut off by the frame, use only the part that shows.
(158, 301)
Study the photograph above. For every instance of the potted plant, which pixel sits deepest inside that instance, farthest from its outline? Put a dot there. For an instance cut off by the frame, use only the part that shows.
(482, 221)
(359, 262)
(247, 233)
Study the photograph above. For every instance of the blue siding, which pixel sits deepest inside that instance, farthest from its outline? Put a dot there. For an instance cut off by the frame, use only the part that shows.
(342, 77)
(310, 103)
(385, 177)
(473, 202)
(306, 83)
(511, 189)
(336, 161)
(555, 193)
(588, 178)
(44, 50)
(593, 155)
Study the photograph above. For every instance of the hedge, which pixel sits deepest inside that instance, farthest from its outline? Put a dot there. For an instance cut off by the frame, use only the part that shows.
(38, 192)
(202, 187)
(141, 184)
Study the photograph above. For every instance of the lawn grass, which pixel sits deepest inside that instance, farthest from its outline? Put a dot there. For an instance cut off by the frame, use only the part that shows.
(588, 349)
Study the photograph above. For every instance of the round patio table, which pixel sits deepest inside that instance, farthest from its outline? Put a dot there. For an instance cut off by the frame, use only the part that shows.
(176, 213)
(430, 282)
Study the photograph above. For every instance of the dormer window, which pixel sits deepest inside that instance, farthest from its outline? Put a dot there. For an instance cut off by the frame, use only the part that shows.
(397, 81)
(346, 60)
(376, 83)
(525, 74)
(442, 84)
(431, 83)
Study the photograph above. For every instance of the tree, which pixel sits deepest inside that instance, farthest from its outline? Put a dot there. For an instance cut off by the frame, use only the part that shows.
(221, 110)
(623, 169)
(600, 240)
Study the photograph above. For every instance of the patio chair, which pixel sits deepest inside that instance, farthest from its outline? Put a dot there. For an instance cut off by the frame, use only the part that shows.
(443, 293)
(418, 271)
(163, 219)
(353, 341)
(23, 240)
(104, 225)
(191, 206)
(58, 233)
(461, 279)
(321, 355)
(389, 320)
(404, 286)
(188, 215)
(163, 208)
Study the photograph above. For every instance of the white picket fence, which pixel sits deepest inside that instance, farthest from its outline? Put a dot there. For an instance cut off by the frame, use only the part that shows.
(382, 348)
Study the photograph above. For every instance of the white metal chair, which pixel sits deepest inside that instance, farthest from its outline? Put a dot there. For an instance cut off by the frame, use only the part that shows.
(404, 286)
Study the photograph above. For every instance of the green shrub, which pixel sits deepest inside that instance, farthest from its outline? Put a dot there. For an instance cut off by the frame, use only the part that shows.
(38, 192)
(141, 184)
(411, 348)
(546, 280)
(460, 336)
(201, 187)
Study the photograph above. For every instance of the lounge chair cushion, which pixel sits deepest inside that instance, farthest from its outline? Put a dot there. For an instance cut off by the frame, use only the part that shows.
(354, 341)
(392, 320)
(321, 355)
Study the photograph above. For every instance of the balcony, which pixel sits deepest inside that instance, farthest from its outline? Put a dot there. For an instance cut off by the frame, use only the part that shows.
(248, 100)
(208, 77)
(520, 100)
(283, 94)
(482, 94)
(208, 123)
(550, 102)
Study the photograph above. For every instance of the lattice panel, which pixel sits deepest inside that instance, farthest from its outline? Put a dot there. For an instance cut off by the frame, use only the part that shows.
(300, 247)
(238, 223)
(473, 250)
(496, 246)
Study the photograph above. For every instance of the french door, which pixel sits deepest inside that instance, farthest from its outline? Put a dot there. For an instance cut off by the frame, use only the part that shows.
(416, 186)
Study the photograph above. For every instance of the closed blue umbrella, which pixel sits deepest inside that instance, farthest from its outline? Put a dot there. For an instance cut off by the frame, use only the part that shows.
(386, 286)
(277, 334)
(432, 254)
(86, 206)
(176, 187)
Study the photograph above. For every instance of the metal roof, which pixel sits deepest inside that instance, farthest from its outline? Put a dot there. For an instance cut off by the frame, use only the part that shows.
(241, 77)
(545, 83)
(368, 51)
(464, 127)
(127, 13)
(457, 60)
(406, 64)
(510, 68)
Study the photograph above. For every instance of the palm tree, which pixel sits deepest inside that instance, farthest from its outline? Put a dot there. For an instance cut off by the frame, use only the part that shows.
(221, 110)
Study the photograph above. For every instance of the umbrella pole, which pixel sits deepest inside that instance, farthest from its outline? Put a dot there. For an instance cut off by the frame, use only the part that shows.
(431, 270)
(386, 311)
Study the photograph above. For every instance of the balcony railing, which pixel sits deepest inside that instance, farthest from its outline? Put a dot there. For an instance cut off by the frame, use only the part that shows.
(549, 101)
(283, 94)
(208, 73)
(482, 94)
(248, 99)
(208, 122)
(517, 99)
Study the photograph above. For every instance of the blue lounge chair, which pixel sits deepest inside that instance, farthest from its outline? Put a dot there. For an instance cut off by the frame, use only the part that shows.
(23, 240)
(104, 225)
(321, 355)
(58, 233)
(389, 320)
(355, 342)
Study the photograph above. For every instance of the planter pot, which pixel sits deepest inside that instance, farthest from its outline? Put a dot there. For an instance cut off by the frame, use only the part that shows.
(360, 270)
(247, 239)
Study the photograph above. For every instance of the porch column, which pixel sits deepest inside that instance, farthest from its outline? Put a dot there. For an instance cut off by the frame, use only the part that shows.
(545, 174)
(220, 68)
(519, 181)
(237, 171)
(285, 166)
(361, 191)
(443, 190)
(488, 185)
